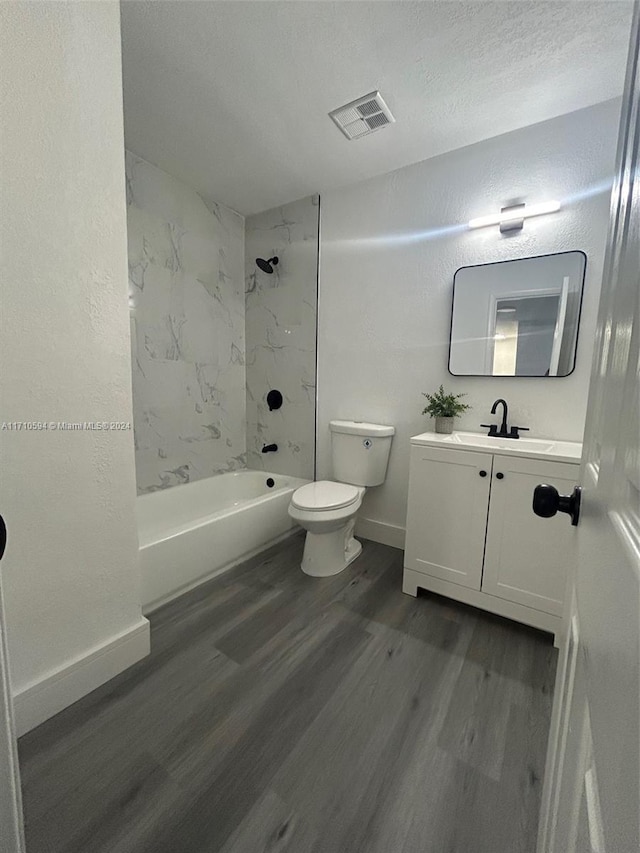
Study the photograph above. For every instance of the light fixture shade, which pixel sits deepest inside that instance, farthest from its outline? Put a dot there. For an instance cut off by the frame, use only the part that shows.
(526, 212)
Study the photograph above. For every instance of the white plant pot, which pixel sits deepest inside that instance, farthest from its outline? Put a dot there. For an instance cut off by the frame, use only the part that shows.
(444, 425)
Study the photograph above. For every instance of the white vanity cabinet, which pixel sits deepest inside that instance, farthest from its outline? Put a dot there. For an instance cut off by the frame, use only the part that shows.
(447, 514)
(471, 531)
(525, 556)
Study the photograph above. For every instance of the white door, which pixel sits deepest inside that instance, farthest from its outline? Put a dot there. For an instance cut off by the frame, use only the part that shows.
(11, 835)
(447, 514)
(591, 800)
(525, 556)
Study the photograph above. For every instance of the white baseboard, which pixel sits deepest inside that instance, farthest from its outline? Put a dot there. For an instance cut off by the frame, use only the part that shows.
(380, 531)
(40, 700)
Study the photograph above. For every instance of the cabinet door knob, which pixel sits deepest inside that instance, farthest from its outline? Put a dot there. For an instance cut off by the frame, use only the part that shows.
(547, 502)
(500, 475)
(483, 473)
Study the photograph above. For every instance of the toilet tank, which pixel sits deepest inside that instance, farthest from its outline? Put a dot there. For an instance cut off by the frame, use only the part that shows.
(360, 452)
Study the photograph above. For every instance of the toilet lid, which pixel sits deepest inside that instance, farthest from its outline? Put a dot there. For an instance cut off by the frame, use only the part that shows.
(324, 495)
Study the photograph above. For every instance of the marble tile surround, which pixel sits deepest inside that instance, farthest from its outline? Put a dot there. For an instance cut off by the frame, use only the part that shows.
(187, 301)
(280, 322)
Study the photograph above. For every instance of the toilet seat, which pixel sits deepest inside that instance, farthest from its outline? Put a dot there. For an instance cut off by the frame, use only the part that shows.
(325, 495)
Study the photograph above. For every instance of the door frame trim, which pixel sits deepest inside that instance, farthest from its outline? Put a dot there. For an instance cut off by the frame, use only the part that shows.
(11, 822)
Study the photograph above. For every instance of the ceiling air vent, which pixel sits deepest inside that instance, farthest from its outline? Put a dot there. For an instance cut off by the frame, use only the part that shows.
(363, 116)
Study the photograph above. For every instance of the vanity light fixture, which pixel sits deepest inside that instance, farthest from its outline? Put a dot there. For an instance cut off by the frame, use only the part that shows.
(512, 218)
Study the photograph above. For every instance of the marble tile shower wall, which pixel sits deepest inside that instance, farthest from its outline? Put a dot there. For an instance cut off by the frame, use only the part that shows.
(280, 322)
(186, 282)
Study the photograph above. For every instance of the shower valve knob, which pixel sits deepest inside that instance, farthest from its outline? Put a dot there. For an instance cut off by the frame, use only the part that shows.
(274, 399)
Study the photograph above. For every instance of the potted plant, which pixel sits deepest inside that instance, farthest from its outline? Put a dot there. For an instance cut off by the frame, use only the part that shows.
(444, 408)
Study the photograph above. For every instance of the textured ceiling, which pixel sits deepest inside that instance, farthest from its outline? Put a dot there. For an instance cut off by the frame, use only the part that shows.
(232, 97)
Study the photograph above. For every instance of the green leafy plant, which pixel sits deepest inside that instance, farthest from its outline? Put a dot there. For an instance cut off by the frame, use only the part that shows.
(443, 405)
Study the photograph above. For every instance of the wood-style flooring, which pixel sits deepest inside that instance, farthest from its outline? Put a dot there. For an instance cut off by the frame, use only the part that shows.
(279, 712)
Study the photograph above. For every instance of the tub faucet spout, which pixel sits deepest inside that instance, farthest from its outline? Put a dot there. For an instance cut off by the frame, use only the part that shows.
(270, 448)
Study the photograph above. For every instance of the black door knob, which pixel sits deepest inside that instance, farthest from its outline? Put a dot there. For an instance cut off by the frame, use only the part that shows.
(547, 501)
(483, 473)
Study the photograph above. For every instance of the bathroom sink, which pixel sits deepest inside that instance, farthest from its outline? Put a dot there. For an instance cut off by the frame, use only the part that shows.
(535, 444)
(536, 448)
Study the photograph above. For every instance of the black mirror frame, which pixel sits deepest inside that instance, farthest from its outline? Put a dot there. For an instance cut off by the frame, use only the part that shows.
(506, 261)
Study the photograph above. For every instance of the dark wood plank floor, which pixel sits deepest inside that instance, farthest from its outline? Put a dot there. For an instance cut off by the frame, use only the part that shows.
(284, 713)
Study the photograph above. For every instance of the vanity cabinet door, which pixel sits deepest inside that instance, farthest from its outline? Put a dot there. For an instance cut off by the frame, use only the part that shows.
(447, 514)
(526, 557)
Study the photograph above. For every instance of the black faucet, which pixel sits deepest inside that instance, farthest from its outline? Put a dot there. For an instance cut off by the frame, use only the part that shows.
(270, 448)
(503, 425)
(504, 431)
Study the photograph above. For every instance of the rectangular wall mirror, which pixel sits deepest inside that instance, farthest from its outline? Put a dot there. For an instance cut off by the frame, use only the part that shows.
(517, 318)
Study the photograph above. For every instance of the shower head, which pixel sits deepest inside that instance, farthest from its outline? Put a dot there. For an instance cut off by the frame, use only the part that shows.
(267, 266)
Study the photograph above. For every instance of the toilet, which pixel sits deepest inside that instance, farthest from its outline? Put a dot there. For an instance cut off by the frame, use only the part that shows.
(327, 509)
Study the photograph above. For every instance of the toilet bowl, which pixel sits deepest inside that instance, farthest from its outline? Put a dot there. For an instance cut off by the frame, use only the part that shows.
(327, 511)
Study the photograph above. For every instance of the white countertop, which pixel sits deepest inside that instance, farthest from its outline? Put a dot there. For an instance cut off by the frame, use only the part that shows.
(530, 448)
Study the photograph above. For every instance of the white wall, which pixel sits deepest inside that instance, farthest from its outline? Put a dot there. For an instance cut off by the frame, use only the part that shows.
(186, 276)
(389, 250)
(70, 572)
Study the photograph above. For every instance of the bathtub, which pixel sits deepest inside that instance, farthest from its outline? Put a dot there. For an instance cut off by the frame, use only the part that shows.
(190, 533)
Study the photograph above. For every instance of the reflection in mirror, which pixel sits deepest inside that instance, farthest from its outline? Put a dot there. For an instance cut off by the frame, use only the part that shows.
(517, 318)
